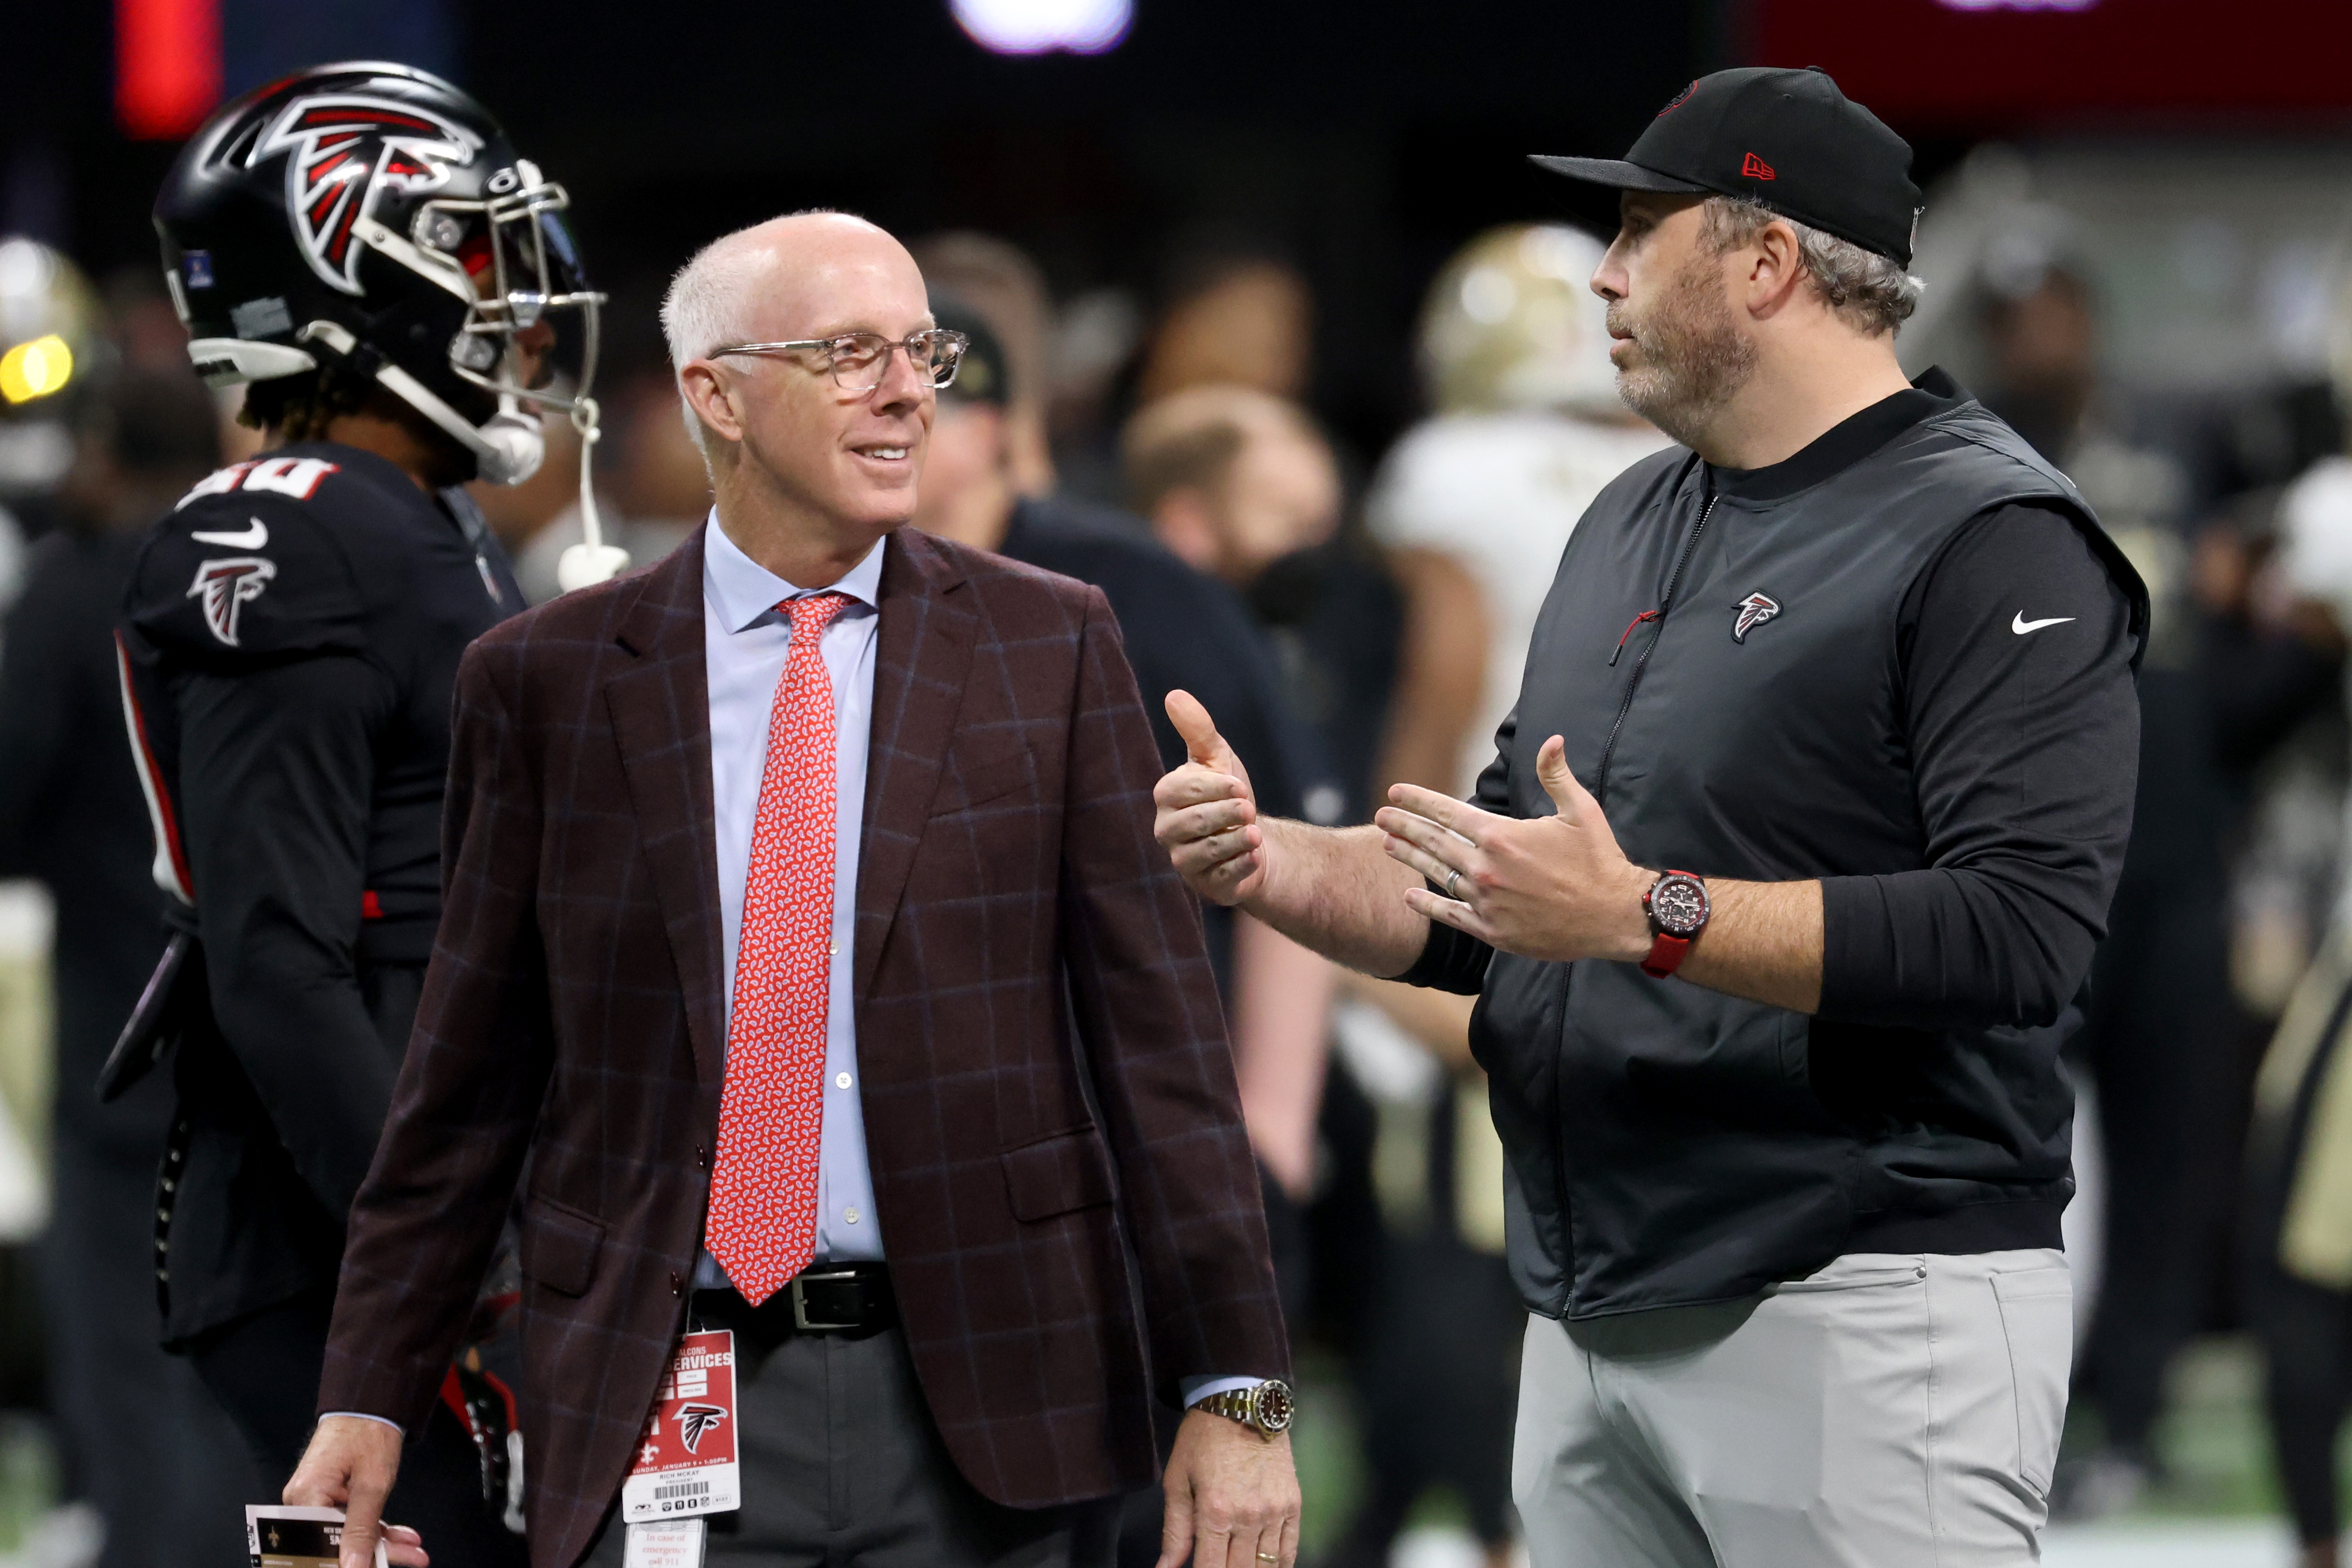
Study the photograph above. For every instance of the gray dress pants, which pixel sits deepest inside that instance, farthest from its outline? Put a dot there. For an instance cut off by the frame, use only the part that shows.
(1889, 1410)
(842, 1468)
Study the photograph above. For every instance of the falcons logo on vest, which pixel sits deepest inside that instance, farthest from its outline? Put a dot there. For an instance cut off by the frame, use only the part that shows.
(227, 585)
(344, 152)
(694, 1422)
(1754, 611)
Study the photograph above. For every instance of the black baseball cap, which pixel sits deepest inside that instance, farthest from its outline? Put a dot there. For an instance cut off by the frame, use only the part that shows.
(1788, 140)
(980, 374)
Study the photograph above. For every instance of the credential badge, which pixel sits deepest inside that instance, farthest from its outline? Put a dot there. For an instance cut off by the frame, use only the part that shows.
(1754, 611)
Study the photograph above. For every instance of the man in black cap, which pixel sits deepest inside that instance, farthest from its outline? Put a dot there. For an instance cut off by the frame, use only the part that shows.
(1779, 895)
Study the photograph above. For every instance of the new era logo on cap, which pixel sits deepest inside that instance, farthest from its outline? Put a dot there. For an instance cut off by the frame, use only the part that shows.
(1845, 172)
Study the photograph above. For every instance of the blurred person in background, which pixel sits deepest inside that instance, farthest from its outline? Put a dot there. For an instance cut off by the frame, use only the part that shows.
(1230, 312)
(51, 334)
(1232, 315)
(1232, 480)
(2299, 1151)
(2157, 1045)
(1178, 624)
(290, 639)
(141, 1439)
(997, 279)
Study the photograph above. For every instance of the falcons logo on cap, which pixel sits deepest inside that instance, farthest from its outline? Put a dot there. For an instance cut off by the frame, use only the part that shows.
(1754, 611)
(695, 1421)
(227, 586)
(344, 152)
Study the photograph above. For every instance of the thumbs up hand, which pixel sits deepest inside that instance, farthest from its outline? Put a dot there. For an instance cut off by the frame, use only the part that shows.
(1555, 888)
(1207, 815)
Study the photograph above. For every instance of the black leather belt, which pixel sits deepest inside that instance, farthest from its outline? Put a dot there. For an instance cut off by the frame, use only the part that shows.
(847, 1299)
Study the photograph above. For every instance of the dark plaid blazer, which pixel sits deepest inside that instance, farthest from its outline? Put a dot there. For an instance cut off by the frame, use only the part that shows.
(1070, 1204)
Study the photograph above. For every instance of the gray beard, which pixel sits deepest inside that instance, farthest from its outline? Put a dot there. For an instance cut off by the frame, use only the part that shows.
(1694, 359)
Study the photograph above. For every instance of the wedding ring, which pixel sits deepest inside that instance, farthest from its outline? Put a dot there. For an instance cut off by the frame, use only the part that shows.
(1267, 1557)
(1451, 878)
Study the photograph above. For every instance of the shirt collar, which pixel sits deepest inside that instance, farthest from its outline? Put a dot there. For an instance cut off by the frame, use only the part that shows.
(1845, 444)
(743, 590)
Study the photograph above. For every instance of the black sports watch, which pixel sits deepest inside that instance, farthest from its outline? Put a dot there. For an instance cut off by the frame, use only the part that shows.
(1678, 909)
(1267, 1408)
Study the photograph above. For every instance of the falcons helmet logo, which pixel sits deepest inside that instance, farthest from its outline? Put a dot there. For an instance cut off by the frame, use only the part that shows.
(695, 1421)
(227, 586)
(1754, 611)
(343, 151)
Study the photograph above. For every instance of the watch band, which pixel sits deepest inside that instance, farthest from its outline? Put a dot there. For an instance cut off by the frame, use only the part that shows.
(1264, 1408)
(1669, 947)
(1666, 955)
(1233, 1405)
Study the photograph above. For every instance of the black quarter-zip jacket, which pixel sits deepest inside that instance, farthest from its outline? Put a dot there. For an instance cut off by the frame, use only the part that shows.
(1901, 663)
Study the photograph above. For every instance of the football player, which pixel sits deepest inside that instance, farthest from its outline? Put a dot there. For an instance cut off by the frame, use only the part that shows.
(360, 248)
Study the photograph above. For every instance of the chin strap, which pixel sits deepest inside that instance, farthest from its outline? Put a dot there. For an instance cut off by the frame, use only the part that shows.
(588, 562)
(494, 459)
(592, 560)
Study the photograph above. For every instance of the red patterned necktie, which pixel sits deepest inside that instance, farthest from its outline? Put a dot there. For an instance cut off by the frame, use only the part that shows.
(762, 1226)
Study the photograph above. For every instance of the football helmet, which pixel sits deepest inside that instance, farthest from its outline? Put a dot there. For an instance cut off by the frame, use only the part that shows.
(370, 216)
(52, 336)
(1512, 323)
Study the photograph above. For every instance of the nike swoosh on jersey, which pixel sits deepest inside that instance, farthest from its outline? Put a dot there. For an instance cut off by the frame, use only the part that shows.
(2020, 626)
(252, 537)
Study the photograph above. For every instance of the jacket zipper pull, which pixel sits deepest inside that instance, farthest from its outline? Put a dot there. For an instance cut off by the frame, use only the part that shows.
(1637, 620)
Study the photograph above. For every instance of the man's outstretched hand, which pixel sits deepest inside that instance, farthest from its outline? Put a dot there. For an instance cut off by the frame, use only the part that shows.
(1231, 1497)
(1207, 816)
(1555, 888)
(350, 1464)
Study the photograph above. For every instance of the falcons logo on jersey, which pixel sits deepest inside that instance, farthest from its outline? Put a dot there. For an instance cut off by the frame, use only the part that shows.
(226, 587)
(343, 151)
(694, 1422)
(1754, 611)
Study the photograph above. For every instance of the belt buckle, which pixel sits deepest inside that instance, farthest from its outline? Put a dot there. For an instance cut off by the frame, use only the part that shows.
(800, 1300)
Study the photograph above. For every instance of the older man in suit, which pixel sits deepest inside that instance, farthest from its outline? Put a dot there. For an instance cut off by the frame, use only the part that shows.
(807, 944)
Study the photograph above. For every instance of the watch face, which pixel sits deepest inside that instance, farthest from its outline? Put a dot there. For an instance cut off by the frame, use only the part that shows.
(1272, 1405)
(1678, 905)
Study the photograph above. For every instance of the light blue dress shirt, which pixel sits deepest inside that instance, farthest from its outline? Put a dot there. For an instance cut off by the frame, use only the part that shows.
(745, 639)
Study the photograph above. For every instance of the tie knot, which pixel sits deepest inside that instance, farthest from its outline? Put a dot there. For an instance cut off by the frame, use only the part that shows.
(812, 612)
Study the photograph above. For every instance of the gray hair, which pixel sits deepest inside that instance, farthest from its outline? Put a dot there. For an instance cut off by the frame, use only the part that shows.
(704, 308)
(1868, 290)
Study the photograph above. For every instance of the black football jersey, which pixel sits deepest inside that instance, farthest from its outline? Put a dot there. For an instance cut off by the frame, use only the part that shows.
(289, 646)
(318, 550)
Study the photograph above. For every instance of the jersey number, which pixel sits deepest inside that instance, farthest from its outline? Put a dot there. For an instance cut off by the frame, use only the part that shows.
(295, 476)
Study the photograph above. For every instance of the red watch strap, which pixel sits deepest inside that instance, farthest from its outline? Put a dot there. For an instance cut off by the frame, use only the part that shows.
(1666, 955)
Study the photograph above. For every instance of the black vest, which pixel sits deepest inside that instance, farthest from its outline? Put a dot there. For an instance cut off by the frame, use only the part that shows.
(1669, 1144)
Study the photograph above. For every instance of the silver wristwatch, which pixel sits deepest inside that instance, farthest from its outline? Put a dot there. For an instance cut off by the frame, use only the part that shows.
(1268, 1406)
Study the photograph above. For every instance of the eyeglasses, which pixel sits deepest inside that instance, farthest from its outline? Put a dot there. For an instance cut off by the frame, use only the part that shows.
(860, 360)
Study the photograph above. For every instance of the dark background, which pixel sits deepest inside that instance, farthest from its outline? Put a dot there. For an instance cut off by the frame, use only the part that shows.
(1365, 141)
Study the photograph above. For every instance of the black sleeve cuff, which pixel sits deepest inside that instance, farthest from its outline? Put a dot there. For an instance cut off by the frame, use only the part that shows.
(1449, 960)
(1858, 956)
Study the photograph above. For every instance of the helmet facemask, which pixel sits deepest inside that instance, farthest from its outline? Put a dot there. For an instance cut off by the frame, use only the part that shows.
(509, 258)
